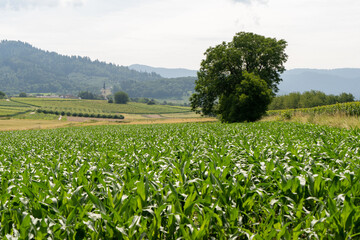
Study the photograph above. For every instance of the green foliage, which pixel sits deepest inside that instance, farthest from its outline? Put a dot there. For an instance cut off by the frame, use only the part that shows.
(2, 95)
(227, 65)
(308, 99)
(151, 102)
(286, 115)
(121, 97)
(348, 109)
(22, 94)
(249, 101)
(181, 181)
(88, 95)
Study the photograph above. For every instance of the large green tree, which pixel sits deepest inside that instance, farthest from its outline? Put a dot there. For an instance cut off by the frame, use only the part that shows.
(237, 79)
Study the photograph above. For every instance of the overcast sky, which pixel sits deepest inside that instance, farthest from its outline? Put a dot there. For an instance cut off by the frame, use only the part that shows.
(175, 33)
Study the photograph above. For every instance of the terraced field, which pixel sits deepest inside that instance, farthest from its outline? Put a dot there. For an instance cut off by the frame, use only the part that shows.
(9, 108)
(181, 181)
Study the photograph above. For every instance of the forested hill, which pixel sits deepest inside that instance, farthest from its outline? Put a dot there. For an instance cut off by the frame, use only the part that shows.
(165, 72)
(24, 68)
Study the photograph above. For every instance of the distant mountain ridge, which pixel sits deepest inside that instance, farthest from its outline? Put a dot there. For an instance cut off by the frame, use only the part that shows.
(24, 68)
(333, 81)
(165, 72)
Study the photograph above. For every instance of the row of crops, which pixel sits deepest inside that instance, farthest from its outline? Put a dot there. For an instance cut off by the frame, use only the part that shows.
(9, 108)
(99, 106)
(182, 181)
(80, 114)
(348, 109)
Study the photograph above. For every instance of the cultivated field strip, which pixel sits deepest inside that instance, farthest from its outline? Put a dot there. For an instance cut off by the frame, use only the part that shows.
(181, 181)
(9, 108)
(348, 109)
(100, 106)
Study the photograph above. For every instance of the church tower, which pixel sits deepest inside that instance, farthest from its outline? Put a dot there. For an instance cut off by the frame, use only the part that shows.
(103, 91)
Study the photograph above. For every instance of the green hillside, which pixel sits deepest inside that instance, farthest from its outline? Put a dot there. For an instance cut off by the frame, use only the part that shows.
(24, 68)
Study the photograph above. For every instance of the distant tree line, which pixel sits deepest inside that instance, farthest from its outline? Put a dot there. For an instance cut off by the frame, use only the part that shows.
(308, 99)
(80, 114)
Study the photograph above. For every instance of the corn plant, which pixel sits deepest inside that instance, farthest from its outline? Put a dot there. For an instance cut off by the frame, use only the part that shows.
(181, 181)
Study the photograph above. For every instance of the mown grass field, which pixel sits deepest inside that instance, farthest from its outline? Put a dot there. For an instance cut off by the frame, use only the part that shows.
(265, 180)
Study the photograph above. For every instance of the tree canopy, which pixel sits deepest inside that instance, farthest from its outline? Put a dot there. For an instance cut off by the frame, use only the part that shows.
(121, 97)
(89, 95)
(237, 79)
(22, 94)
(2, 95)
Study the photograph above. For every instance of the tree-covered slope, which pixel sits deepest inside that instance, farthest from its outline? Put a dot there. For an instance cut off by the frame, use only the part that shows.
(24, 68)
(164, 88)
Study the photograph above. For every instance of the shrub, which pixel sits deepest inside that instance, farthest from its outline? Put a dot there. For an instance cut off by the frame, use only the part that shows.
(121, 97)
(151, 102)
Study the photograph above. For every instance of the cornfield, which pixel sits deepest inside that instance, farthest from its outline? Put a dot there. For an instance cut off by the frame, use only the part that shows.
(182, 181)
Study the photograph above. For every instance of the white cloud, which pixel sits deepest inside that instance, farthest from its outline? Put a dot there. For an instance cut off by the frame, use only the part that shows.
(31, 4)
(250, 1)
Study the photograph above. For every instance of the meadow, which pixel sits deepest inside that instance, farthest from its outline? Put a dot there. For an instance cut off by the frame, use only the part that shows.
(264, 180)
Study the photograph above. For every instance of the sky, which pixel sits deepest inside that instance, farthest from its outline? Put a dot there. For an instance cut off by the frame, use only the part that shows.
(321, 34)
